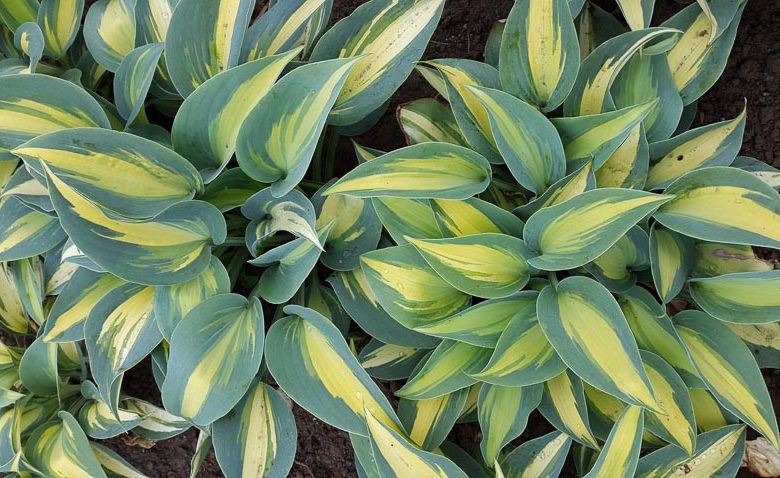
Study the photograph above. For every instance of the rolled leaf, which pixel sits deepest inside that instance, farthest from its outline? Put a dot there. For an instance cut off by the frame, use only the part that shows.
(428, 119)
(60, 20)
(215, 354)
(620, 454)
(73, 456)
(292, 212)
(563, 404)
(671, 259)
(430, 421)
(503, 414)
(284, 27)
(615, 268)
(133, 78)
(109, 31)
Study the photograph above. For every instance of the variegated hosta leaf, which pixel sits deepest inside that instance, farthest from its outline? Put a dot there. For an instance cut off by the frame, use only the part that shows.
(584, 323)
(457, 76)
(113, 464)
(564, 189)
(709, 414)
(288, 266)
(526, 139)
(503, 414)
(157, 423)
(133, 79)
(574, 233)
(388, 361)
(590, 94)
(26, 232)
(430, 421)
(97, 418)
(38, 368)
(714, 259)
(723, 205)
(493, 43)
(292, 115)
(109, 31)
(292, 212)
(120, 331)
(763, 340)
(29, 189)
(428, 119)
(744, 298)
(65, 322)
(644, 78)
(671, 258)
(446, 370)
(539, 56)
(698, 59)
(404, 218)
(408, 288)
(15, 12)
(423, 171)
(29, 39)
(595, 138)
(620, 454)
(172, 247)
(615, 268)
(60, 21)
(257, 437)
(357, 298)
(173, 302)
(12, 314)
(31, 105)
(285, 26)
(203, 39)
(311, 362)
(395, 457)
(718, 454)
(120, 172)
(481, 265)
(637, 13)
(27, 276)
(215, 354)
(654, 332)
(389, 38)
(484, 323)
(356, 229)
(729, 370)
(563, 405)
(231, 189)
(677, 423)
(543, 456)
(473, 216)
(59, 449)
(206, 127)
(522, 355)
(712, 145)
(627, 166)
(324, 300)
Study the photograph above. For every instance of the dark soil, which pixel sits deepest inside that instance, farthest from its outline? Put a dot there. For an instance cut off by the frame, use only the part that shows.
(753, 73)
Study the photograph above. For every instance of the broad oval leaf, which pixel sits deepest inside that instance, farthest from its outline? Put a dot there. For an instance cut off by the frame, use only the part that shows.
(723, 205)
(203, 39)
(292, 115)
(584, 323)
(31, 105)
(539, 56)
(422, 171)
(527, 140)
(257, 437)
(743, 298)
(389, 37)
(481, 265)
(312, 363)
(73, 457)
(215, 354)
(109, 31)
(60, 21)
(206, 127)
(729, 370)
(407, 288)
(574, 233)
(122, 173)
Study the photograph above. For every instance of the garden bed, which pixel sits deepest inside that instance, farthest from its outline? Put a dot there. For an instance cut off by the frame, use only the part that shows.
(752, 72)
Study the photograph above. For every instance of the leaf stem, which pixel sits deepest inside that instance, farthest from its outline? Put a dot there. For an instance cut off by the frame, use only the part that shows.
(553, 279)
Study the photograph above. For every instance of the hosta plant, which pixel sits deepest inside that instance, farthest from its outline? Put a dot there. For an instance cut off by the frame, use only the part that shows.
(554, 237)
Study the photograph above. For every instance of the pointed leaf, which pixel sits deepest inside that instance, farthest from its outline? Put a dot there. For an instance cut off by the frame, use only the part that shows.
(109, 31)
(133, 78)
(503, 414)
(744, 298)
